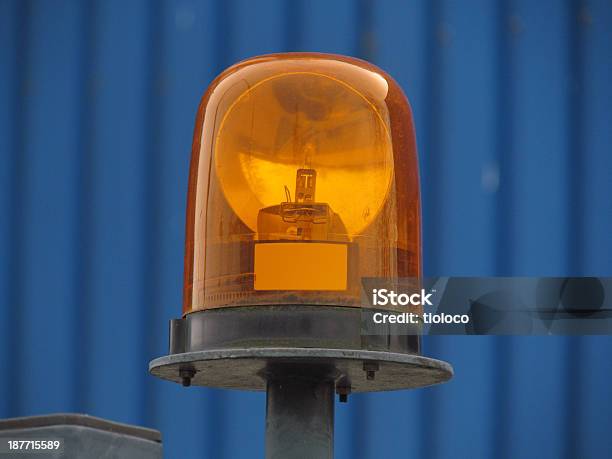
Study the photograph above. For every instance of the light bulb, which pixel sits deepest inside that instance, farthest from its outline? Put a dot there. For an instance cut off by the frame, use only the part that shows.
(305, 121)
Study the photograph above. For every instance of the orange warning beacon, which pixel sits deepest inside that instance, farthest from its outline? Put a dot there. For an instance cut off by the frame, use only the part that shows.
(303, 181)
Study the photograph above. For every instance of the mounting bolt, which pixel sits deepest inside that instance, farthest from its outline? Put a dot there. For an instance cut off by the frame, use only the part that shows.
(186, 373)
(343, 392)
(370, 368)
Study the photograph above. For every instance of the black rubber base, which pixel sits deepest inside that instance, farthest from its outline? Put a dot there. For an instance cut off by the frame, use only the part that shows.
(284, 326)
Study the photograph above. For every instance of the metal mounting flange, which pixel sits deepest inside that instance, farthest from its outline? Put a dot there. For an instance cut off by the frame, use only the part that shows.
(247, 369)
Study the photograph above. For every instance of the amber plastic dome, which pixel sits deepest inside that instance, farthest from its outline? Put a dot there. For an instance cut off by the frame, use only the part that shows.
(303, 181)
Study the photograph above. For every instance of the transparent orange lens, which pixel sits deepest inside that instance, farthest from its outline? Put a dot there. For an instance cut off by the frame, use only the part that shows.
(303, 180)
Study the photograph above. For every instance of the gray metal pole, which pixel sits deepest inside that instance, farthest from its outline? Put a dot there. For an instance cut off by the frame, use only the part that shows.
(299, 418)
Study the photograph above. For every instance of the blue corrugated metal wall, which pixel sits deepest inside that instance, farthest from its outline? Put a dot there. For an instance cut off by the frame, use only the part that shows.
(513, 107)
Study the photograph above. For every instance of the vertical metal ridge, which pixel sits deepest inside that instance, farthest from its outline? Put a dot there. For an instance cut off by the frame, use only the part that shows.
(575, 224)
(503, 247)
(575, 138)
(431, 157)
(292, 35)
(431, 199)
(365, 46)
(82, 198)
(505, 64)
(223, 34)
(8, 84)
(17, 283)
(154, 106)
